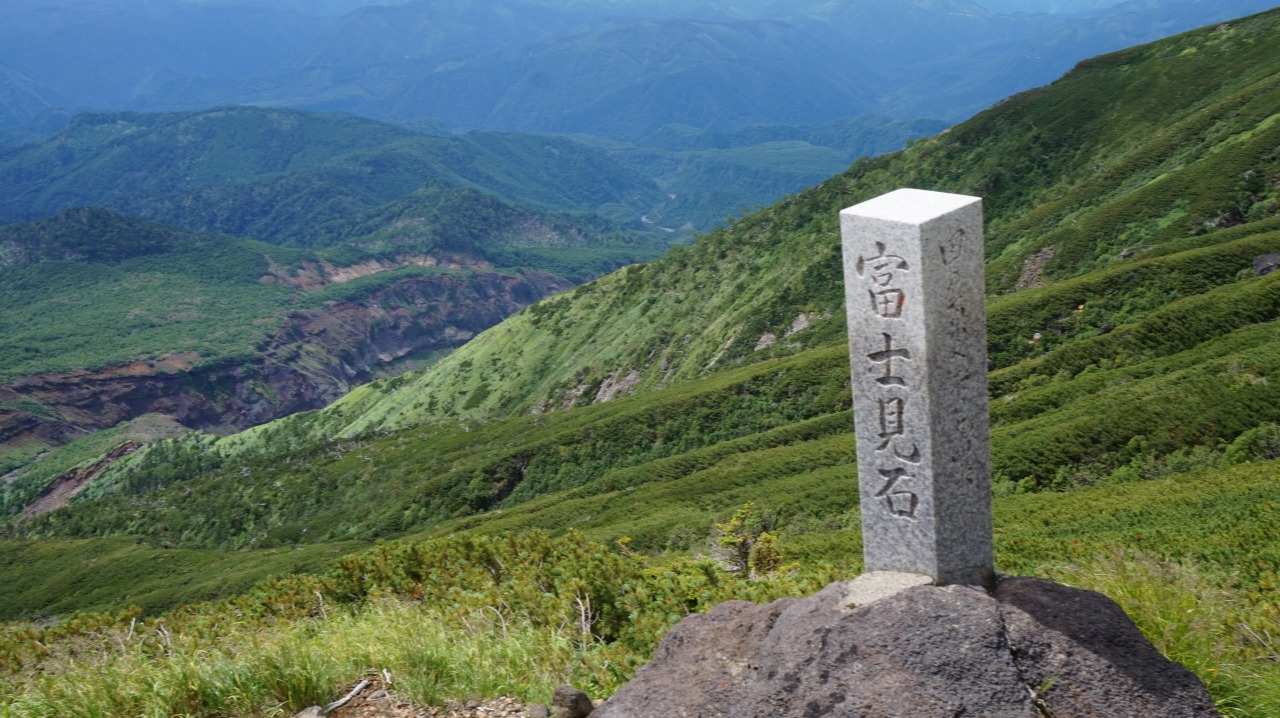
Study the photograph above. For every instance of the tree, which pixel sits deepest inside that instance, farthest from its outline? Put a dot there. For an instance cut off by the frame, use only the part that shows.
(750, 554)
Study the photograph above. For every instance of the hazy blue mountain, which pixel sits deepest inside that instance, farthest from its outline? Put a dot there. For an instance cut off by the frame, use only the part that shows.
(689, 9)
(1047, 6)
(1068, 6)
(27, 108)
(274, 174)
(103, 55)
(526, 66)
(626, 81)
(712, 175)
(952, 58)
(325, 8)
(434, 30)
(997, 69)
(617, 68)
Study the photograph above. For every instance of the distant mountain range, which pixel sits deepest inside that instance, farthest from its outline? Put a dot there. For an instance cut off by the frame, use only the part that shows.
(225, 169)
(281, 176)
(360, 250)
(619, 70)
(724, 106)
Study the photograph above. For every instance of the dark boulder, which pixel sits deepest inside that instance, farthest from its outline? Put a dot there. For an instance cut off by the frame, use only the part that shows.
(1266, 264)
(569, 702)
(1033, 646)
(1085, 649)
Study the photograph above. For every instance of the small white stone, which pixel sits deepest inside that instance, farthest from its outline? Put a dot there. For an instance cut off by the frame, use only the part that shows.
(878, 585)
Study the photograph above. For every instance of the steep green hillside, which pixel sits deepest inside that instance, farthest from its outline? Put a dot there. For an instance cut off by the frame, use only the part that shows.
(783, 419)
(1117, 174)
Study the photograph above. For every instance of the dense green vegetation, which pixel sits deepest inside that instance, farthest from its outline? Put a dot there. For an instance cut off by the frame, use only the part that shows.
(777, 420)
(382, 486)
(113, 300)
(578, 610)
(25, 479)
(67, 306)
(521, 613)
(51, 578)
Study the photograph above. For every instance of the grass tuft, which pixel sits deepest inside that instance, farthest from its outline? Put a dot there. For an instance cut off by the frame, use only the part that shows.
(1196, 616)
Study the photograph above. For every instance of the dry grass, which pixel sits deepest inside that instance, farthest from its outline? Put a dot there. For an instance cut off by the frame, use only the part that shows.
(277, 672)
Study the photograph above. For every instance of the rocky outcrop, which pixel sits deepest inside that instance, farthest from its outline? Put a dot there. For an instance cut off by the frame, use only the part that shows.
(1266, 264)
(69, 485)
(1032, 648)
(316, 357)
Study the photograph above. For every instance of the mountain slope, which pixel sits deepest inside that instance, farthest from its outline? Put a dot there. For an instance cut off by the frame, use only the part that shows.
(744, 329)
(1143, 153)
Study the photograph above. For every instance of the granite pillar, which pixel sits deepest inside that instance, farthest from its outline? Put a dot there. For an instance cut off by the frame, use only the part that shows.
(914, 296)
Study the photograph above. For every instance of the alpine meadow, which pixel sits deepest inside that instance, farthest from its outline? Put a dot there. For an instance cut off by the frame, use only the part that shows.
(540, 504)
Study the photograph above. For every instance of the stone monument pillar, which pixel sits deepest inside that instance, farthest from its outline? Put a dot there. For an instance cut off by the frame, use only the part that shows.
(914, 295)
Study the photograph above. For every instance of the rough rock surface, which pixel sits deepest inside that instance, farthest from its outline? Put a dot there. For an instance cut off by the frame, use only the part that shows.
(1266, 264)
(569, 702)
(1099, 663)
(71, 483)
(1033, 646)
